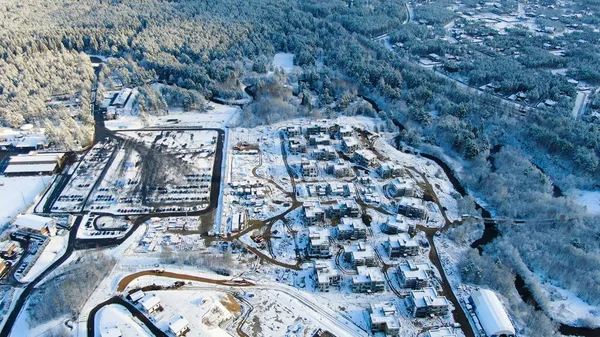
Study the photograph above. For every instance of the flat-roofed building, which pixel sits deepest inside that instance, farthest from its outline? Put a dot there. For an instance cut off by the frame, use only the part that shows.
(401, 245)
(351, 229)
(383, 317)
(426, 302)
(313, 213)
(327, 276)
(368, 280)
(350, 145)
(414, 275)
(389, 169)
(34, 163)
(366, 158)
(360, 254)
(309, 168)
(318, 242)
(400, 188)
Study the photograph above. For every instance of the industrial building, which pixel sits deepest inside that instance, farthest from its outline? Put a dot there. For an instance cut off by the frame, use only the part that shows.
(34, 163)
(491, 314)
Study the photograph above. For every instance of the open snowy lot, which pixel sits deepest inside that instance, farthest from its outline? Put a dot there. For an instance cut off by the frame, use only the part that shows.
(17, 193)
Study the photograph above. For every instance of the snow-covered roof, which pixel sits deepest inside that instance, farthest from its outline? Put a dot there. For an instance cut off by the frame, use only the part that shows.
(35, 157)
(30, 168)
(150, 301)
(440, 332)
(415, 270)
(111, 332)
(32, 221)
(428, 297)
(491, 313)
(178, 324)
(136, 296)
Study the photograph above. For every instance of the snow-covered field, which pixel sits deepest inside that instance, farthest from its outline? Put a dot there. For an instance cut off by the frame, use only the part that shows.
(589, 199)
(284, 61)
(17, 193)
(116, 316)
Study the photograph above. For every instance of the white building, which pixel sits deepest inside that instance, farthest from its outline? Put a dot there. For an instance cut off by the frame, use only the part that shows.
(178, 325)
(136, 296)
(360, 254)
(150, 303)
(351, 229)
(401, 245)
(427, 302)
(313, 212)
(384, 318)
(309, 168)
(318, 242)
(368, 280)
(366, 158)
(440, 332)
(350, 145)
(491, 314)
(414, 275)
(400, 188)
(327, 276)
(36, 223)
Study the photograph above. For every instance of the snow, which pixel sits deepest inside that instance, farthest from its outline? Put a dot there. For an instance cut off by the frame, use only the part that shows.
(216, 116)
(589, 199)
(284, 61)
(16, 193)
(115, 315)
(55, 249)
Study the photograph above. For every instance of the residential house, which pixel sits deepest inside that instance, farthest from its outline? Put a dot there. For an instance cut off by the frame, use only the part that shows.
(350, 145)
(351, 229)
(389, 169)
(414, 275)
(150, 303)
(426, 302)
(399, 188)
(313, 213)
(340, 169)
(412, 208)
(383, 317)
(360, 254)
(178, 325)
(365, 158)
(327, 276)
(309, 168)
(401, 245)
(318, 242)
(324, 152)
(368, 280)
(441, 332)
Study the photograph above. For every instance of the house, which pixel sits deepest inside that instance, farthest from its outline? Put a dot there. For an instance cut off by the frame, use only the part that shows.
(368, 280)
(350, 145)
(440, 332)
(345, 131)
(383, 317)
(395, 226)
(313, 213)
(309, 168)
(297, 145)
(150, 303)
(360, 254)
(389, 169)
(365, 158)
(399, 188)
(324, 152)
(412, 208)
(327, 276)
(36, 224)
(136, 296)
(316, 129)
(351, 229)
(178, 325)
(340, 169)
(491, 314)
(293, 131)
(315, 140)
(401, 245)
(414, 275)
(337, 189)
(318, 242)
(111, 332)
(426, 302)
(341, 208)
(8, 248)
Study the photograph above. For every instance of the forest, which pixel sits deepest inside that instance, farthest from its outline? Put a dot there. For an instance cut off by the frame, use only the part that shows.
(211, 48)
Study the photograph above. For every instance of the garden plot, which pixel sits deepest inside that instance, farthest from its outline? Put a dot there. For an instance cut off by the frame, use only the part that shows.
(74, 196)
(158, 171)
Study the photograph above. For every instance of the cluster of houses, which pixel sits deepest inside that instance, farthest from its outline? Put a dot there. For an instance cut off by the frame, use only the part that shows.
(316, 213)
(150, 304)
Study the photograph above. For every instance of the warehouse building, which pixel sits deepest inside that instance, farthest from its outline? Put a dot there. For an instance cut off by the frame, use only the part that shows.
(491, 314)
(34, 163)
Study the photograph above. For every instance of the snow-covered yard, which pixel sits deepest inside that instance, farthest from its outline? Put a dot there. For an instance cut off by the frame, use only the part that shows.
(17, 193)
